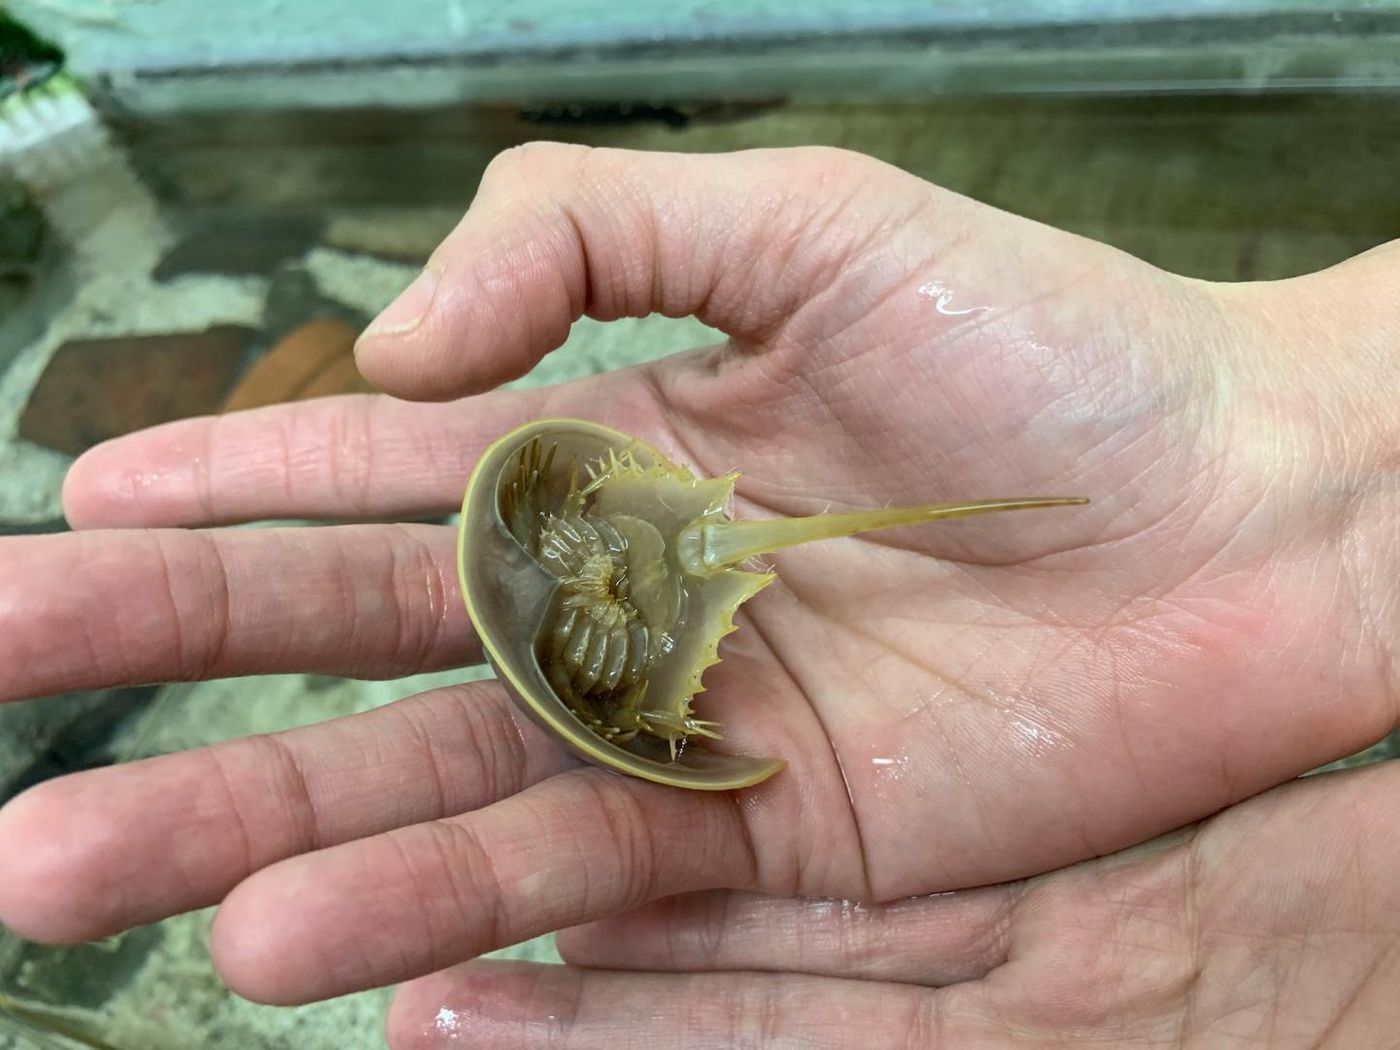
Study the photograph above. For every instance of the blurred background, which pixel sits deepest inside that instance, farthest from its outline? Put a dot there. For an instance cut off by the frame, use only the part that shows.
(201, 204)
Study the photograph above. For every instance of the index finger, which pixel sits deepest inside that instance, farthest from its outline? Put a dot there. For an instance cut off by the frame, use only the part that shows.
(352, 458)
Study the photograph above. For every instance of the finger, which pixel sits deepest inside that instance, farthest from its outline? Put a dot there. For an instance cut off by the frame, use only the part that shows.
(101, 851)
(741, 241)
(932, 941)
(491, 1004)
(576, 847)
(96, 609)
(335, 458)
(356, 456)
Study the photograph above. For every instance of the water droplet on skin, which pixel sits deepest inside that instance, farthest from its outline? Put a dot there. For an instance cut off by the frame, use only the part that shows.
(942, 297)
(446, 1022)
(1035, 738)
(891, 768)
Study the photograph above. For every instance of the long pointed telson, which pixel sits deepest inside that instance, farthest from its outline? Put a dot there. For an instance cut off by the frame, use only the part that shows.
(706, 548)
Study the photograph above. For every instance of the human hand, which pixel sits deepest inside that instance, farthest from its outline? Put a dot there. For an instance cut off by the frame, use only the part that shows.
(1274, 924)
(959, 705)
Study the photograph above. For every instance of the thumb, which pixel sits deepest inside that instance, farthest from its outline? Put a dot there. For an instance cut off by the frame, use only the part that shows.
(741, 241)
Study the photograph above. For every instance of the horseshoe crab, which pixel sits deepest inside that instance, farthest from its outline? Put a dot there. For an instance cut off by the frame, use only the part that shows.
(601, 577)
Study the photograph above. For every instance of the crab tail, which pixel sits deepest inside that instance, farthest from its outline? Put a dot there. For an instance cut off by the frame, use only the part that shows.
(709, 547)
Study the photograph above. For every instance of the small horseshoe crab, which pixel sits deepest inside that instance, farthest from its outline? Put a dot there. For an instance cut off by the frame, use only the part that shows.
(601, 577)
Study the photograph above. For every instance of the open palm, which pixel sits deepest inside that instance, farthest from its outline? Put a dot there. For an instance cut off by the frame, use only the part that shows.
(959, 704)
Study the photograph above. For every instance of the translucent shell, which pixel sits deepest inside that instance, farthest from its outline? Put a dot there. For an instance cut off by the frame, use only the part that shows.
(601, 578)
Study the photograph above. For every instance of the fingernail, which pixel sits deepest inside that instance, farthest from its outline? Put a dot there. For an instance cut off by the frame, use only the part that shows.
(407, 311)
